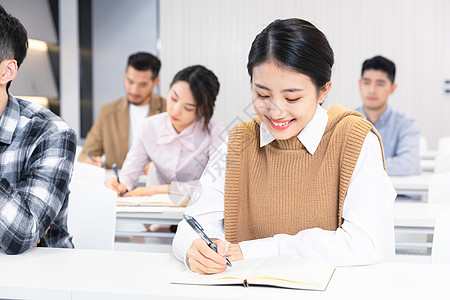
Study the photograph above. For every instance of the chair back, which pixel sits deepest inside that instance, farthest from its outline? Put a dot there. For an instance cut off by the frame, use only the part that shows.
(88, 173)
(91, 216)
(440, 252)
(78, 152)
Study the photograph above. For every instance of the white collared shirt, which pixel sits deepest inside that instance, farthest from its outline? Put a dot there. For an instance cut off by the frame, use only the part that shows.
(365, 237)
(137, 117)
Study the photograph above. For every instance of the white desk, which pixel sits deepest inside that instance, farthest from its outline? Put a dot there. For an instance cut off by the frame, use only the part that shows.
(83, 274)
(411, 185)
(414, 228)
(417, 215)
(130, 224)
(416, 218)
(137, 215)
(411, 214)
(428, 154)
(427, 165)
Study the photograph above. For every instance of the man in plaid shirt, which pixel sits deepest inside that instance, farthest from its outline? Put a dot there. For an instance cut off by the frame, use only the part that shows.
(37, 150)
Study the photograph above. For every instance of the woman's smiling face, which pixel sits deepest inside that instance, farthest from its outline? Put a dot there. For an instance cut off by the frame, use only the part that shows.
(285, 100)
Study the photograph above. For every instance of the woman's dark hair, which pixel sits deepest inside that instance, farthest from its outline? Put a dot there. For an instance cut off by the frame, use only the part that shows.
(294, 44)
(204, 86)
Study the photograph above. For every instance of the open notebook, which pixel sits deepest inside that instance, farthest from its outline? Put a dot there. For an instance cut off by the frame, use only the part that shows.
(273, 271)
(155, 200)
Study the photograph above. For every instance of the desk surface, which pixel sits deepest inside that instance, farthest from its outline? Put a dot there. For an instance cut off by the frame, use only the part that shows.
(84, 274)
(428, 154)
(412, 214)
(411, 184)
(151, 214)
(427, 165)
(408, 214)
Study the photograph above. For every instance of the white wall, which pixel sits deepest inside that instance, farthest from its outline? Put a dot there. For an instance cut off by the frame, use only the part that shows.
(119, 28)
(35, 76)
(415, 34)
(69, 67)
(35, 16)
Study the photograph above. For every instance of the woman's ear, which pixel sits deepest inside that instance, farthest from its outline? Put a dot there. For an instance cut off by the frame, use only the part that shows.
(324, 90)
(8, 70)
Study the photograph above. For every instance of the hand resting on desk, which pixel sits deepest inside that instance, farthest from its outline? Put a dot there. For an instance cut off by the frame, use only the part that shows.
(202, 259)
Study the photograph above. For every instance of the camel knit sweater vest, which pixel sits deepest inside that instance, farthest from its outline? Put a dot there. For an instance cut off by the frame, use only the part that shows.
(281, 187)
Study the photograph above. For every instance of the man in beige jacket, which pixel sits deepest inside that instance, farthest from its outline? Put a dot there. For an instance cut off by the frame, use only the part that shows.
(118, 122)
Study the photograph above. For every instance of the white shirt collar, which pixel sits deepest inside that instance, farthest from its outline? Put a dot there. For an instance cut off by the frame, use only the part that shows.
(310, 136)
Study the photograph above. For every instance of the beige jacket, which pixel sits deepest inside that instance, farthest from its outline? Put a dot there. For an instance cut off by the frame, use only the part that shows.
(109, 134)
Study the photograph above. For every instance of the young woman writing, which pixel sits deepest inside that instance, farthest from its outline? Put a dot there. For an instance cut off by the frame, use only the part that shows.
(300, 180)
(178, 142)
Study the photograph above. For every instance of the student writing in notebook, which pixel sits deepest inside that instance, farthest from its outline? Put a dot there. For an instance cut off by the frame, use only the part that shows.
(299, 180)
(179, 141)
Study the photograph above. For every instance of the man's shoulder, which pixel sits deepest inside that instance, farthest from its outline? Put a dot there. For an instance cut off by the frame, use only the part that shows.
(399, 116)
(360, 109)
(41, 117)
(112, 107)
(158, 97)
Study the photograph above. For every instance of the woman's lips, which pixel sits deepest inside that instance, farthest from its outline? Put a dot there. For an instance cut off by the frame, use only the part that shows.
(281, 125)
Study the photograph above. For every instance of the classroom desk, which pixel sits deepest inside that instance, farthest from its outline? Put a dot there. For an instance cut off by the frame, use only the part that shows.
(410, 214)
(417, 214)
(44, 273)
(414, 228)
(413, 224)
(428, 154)
(411, 185)
(427, 165)
(137, 215)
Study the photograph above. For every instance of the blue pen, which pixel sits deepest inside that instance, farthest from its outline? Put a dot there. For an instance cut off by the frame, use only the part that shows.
(114, 167)
(90, 156)
(199, 229)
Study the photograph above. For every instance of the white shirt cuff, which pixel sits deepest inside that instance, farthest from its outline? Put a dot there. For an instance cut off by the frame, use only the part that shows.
(259, 248)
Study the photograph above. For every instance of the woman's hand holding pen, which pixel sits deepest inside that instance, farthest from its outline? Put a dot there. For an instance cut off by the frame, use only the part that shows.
(96, 161)
(114, 185)
(93, 160)
(202, 259)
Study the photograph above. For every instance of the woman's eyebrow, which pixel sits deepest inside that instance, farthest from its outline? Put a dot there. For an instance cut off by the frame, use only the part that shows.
(290, 90)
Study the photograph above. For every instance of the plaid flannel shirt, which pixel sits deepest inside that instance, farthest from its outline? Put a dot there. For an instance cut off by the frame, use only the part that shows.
(37, 150)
